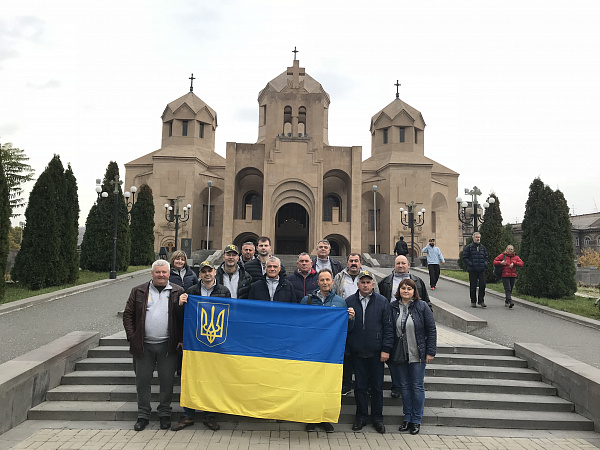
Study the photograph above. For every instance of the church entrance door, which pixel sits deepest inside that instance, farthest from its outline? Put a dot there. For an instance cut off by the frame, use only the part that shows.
(291, 230)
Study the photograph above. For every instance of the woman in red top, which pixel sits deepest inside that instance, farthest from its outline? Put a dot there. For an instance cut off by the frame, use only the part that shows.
(509, 262)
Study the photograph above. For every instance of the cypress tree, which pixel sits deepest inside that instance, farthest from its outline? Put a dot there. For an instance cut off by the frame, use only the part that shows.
(5, 212)
(71, 231)
(57, 172)
(97, 245)
(492, 236)
(546, 245)
(142, 228)
(36, 263)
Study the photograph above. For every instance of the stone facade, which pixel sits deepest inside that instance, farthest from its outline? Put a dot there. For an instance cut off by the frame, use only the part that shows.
(291, 184)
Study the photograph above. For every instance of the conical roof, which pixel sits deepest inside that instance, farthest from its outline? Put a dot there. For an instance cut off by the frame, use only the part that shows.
(396, 108)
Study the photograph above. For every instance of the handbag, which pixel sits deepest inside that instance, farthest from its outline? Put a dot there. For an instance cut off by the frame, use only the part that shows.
(498, 269)
(398, 355)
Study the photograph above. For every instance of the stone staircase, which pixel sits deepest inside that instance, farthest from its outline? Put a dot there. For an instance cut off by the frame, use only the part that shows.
(466, 386)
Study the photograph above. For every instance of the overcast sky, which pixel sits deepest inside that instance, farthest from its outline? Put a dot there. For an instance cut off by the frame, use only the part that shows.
(508, 90)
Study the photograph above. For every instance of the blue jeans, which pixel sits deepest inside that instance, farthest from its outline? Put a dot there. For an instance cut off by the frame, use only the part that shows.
(412, 376)
(368, 374)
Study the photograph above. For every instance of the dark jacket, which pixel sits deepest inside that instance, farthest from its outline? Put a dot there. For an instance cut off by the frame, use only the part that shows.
(244, 281)
(218, 291)
(425, 330)
(376, 334)
(134, 318)
(254, 268)
(284, 292)
(475, 257)
(386, 284)
(189, 279)
(303, 286)
(336, 266)
(507, 271)
(332, 300)
(401, 248)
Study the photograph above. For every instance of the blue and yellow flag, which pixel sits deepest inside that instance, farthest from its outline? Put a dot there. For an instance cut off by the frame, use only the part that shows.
(263, 359)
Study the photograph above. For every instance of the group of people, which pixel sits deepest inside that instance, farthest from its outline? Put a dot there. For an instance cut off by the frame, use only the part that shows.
(390, 322)
(475, 257)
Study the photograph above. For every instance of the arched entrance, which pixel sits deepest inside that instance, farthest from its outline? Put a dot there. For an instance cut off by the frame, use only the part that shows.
(291, 229)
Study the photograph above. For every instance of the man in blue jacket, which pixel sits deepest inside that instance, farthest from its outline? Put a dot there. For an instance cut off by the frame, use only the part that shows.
(475, 258)
(434, 258)
(370, 343)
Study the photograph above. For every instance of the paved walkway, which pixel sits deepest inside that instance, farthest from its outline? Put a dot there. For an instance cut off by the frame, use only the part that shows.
(504, 328)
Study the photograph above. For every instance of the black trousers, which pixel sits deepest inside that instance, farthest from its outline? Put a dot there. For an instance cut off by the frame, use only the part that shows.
(434, 274)
(477, 279)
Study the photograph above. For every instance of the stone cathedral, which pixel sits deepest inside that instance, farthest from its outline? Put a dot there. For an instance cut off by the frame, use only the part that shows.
(291, 184)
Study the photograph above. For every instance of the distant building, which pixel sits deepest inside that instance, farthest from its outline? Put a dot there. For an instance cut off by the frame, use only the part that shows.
(291, 184)
(585, 229)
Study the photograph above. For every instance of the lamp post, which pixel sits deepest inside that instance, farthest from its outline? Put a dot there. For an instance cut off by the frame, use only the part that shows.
(209, 183)
(131, 194)
(116, 183)
(407, 218)
(22, 225)
(462, 208)
(176, 217)
(375, 216)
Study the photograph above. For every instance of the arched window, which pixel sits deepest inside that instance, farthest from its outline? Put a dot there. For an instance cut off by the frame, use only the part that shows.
(329, 202)
(252, 198)
(287, 120)
(302, 120)
(586, 241)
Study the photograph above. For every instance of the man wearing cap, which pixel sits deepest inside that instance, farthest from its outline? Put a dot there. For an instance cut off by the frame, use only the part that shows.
(434, 257)
(272, 287)
(323, 261)
(232, 275)
(258, 266)
(206, 288)
(370, 343)
(304, 279)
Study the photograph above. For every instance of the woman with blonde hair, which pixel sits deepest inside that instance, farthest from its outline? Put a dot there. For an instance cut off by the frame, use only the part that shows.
(509, 261)
(181, 274)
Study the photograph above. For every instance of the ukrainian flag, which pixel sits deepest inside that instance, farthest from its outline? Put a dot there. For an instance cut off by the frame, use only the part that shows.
(263, 359)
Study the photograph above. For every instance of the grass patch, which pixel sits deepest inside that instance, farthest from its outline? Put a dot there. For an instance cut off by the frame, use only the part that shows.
(14, 291)
(574, 304)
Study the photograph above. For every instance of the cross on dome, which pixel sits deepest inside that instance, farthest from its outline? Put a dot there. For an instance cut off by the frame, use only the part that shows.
(397, 86)
(192, 83)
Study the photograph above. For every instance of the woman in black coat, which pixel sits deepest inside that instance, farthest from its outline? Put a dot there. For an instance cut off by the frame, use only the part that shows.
(181, 274)
(415, 341)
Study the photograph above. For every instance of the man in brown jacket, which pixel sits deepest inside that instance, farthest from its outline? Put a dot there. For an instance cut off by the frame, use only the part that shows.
(153, 330)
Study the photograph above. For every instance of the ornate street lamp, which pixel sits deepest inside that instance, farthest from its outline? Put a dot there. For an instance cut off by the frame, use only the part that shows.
(131, 194)
(209, 183)
(407, 218)
(116, 183)
(375, 216)
(176, 217)
(476, 218)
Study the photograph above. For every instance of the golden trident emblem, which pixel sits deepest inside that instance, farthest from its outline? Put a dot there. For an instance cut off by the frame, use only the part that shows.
(211, 330)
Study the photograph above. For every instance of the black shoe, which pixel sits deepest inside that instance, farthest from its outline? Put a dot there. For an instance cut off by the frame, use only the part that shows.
(396, 394)
(358, 424)
(379, 427)
(511, 305)
(405, 426)
(140, 424)
(327, 427)
(311, 427)
(506, 303)
(165, 422)
(482, 304)
(210, 421)
(346, 390)
(415, 428)
(473, 305)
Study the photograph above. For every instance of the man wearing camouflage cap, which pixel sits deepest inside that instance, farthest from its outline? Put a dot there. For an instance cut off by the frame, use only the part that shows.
(370, 343)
